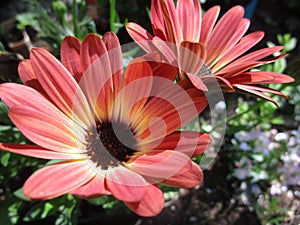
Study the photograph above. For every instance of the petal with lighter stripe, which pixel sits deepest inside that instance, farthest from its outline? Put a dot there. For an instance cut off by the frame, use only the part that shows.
(70, 56)
(38, 152)
(60, 86)
(208, 22)
(57, 179)
(189, 16)
(47, 131)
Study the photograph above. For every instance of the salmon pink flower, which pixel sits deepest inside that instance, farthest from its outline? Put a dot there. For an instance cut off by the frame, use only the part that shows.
(206, 49)
(112, 135)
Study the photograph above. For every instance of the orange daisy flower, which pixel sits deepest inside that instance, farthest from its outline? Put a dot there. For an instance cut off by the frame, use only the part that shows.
(113, 135)
(205, 49)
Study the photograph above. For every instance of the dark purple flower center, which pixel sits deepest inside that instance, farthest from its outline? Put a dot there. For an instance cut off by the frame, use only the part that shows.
(110, 144)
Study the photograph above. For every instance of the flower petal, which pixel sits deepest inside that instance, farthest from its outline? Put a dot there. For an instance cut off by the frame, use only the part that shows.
(189, 15)
(252, 58)
(125, 184)
(189, 176)
(172, 26)
(171, 108)
(37, 151)
(151, 204)
(93, 188)
(244, 45)
(188, 142)
(258, 91)
(57, 179)
(157, 19)
(92, 47)
(159, 165)
(208, 21)
(197, 81)
(219, 39)
(259, 77)
(45, 130)
(12, 95)
(115, 58)
(191, 56)
(227, 46)
(60, 86)
(159, 67)
(28, 76)
(141, 36)
(70, 56)
(136, 90)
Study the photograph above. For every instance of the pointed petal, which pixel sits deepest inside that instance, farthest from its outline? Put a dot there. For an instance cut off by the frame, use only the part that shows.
(92, 189)
(70, 56)
(188, 142)
(189, 15)
(125, 184)
(45, 130)
(151, 204)
(208, 22)
(252, 89)
(260, 77)
(252, 58)
(60, 86)
(115, 58)
(219, 39)
(141, 36)
(244, 45)
(189, 176)
(57, 179)
(227, 46)
(37, 151)
(258, 91)
(157, 19)
(172, 26)
(160, 165)
(97, 82)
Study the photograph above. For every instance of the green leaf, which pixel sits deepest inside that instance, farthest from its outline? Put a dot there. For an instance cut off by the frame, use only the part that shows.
(5, 156)
(20, 194)
(3, 108)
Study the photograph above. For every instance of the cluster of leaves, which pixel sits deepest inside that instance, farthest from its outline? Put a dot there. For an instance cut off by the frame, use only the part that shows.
(61, 20)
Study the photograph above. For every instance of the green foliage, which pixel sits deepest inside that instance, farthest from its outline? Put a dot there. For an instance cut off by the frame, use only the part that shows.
(52, 26)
